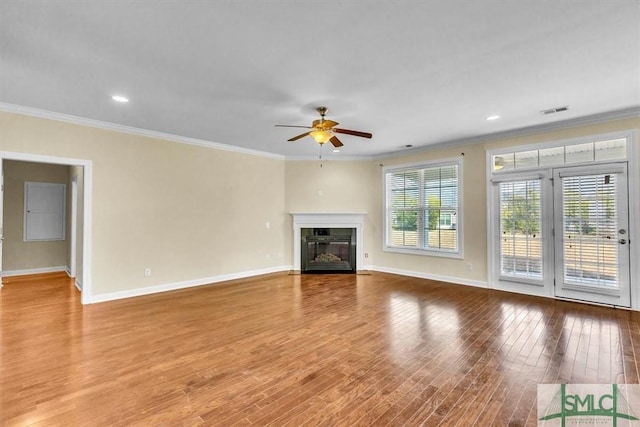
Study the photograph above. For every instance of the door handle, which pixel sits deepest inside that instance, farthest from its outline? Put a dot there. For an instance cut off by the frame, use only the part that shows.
(622, 241)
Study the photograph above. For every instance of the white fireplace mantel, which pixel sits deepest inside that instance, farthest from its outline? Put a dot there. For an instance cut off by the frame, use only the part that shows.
(328, 220)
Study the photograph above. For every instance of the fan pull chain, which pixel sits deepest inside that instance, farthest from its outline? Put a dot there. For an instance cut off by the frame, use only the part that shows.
(320, 155)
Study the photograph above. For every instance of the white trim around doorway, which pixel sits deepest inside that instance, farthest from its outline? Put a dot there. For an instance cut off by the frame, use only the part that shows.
(87, 165)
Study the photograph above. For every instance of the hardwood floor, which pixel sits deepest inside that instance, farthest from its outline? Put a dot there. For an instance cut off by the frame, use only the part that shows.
(291, 350)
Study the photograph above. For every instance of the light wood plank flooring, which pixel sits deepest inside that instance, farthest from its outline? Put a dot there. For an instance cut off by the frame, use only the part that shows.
(292, 350)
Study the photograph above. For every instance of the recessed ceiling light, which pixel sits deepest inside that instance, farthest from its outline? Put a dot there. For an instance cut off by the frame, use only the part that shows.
(120, 98)
(494, 117)
(336, 151)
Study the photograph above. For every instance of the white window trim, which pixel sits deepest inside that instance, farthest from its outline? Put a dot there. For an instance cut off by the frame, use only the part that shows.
(459, 254)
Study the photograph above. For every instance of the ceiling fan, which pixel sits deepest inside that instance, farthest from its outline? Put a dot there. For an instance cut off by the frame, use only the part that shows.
(323, 130)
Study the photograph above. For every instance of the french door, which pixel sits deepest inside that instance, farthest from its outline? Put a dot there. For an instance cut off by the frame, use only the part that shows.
(591, 223)
(566, 236)
(523, 248)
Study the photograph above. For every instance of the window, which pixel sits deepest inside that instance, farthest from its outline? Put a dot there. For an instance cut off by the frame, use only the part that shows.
(445, 220)
(422, 208)
(565, 154)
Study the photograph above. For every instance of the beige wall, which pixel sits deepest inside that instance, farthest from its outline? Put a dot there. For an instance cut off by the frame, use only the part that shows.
(474, 220)
(16, 254)
(357, 186)
(189, 212)
(184, 211)
(337, 186)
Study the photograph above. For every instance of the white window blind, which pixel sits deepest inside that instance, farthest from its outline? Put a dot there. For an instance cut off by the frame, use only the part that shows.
(589, 230)
(422, 208)
(520, 229)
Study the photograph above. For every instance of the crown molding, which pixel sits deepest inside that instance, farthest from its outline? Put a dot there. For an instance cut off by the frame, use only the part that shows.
(337, 158)
(547, 127)
(68, 118)
(632, 112)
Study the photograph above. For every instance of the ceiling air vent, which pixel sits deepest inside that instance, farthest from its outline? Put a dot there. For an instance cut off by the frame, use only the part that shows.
(554, 110)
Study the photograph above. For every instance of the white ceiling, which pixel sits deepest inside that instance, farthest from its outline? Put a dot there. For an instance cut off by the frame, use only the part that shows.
(418, 73)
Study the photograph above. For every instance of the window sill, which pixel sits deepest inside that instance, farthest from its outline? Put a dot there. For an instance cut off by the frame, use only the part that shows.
(423, 252)
(523, 280)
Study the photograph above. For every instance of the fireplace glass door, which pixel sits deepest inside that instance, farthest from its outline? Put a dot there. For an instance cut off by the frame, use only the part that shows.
(328, 253)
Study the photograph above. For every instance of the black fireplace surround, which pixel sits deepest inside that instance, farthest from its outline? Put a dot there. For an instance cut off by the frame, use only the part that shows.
(328, 250)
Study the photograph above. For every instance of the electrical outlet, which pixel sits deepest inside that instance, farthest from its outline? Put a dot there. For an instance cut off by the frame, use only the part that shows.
(267, 225)
(469, 266)
(366, 254)
(147, 272)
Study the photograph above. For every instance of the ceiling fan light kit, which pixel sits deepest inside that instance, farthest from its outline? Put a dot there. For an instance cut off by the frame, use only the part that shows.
(323, 130)
(321, 136)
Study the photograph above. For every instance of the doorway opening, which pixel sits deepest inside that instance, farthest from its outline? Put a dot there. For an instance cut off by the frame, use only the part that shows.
(78, 262)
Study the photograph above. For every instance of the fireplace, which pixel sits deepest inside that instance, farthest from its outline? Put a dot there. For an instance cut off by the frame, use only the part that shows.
(328, 250)
(337, 223)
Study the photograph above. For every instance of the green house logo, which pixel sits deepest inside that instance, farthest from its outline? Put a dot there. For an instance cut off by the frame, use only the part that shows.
(593, 404)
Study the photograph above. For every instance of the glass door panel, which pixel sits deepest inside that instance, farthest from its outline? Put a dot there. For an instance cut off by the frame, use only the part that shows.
(520, 229)
(591, 240)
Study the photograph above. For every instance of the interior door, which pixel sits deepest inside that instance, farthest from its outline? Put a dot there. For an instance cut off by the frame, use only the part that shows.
(591, 223)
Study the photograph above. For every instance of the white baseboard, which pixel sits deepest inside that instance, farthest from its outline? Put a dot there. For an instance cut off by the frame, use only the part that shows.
(57, 269)
(78, 284)
(242, 275)
(421, 275)
(185, 284)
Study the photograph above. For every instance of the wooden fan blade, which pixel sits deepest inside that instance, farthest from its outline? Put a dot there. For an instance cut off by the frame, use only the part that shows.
(292, 126)
(295, 138)
(336, 142)
(353, 132)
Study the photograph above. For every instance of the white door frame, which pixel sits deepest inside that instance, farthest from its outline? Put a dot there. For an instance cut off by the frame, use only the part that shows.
(633, 157)
(74, 223)
(87, 165)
